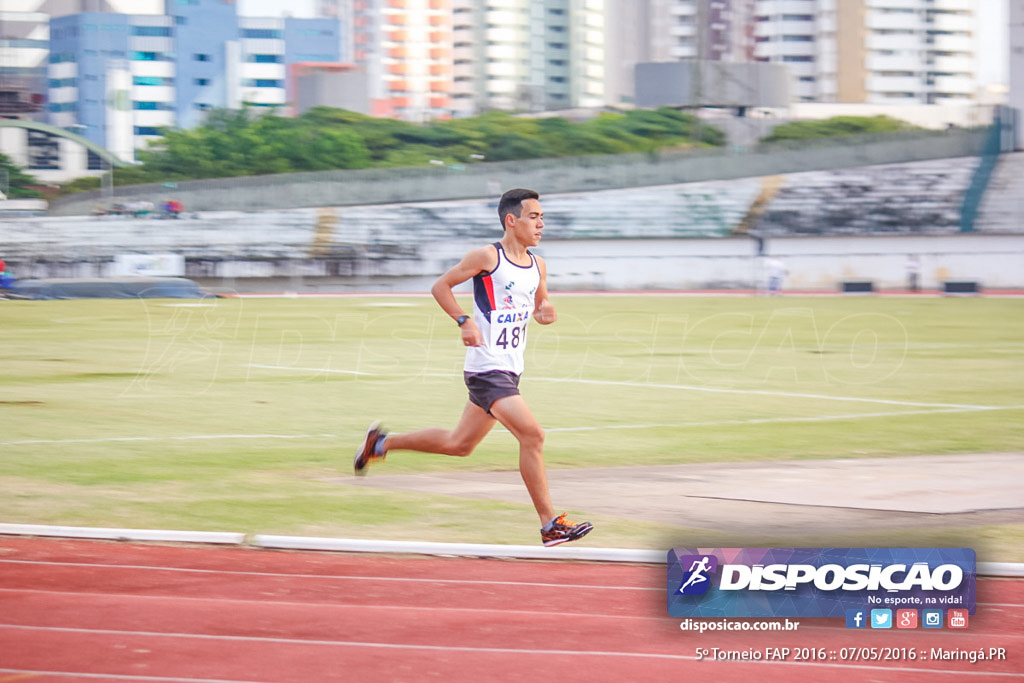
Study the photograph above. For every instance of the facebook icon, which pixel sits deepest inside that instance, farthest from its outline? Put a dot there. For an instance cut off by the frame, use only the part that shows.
(856, 618)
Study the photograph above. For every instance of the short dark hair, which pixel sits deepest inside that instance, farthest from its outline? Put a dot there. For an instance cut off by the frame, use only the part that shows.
(512, 203)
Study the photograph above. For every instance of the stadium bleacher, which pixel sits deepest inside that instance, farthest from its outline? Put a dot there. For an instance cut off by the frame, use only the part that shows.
(1002, 207)
(922, 197)
(919, 197)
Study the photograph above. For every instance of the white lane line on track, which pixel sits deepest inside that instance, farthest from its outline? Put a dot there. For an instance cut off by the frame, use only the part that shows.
(483, 650)
(34, 673)
(404, 579)
(268, 602)
(316, 606)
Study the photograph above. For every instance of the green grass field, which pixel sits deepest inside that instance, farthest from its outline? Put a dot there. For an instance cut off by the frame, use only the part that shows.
(242, 414)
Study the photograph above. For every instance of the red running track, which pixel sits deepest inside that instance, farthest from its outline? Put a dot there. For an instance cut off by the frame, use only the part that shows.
(87, 611)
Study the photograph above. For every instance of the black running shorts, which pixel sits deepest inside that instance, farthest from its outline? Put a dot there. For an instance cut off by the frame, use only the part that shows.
(487, 387)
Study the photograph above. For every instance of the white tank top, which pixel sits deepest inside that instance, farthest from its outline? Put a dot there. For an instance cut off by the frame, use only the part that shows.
(503, 302)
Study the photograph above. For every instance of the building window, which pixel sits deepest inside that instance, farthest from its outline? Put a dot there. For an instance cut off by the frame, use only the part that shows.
(262, 33)
(202, 81)
(152, 80)
(147, 130)
(151, 57)
(263, 83)
(202, 58)
(265, 59)
(160, 31)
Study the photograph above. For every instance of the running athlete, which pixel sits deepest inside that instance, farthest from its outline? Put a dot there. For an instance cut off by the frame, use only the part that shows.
(509, 286)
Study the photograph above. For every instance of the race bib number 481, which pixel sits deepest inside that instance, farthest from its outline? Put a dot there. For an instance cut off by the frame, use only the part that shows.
(508, 329)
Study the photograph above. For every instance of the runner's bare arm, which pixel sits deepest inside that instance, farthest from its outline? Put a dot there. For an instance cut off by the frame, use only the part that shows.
(543, 310)
(479, 260)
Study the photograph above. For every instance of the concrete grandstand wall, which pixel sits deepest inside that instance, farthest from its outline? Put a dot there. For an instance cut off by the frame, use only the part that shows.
(612, 239)
(580, 174)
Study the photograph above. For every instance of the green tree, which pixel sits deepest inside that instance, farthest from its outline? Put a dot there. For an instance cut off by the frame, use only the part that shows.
(16, 183)
(836, 127)
(252, 141)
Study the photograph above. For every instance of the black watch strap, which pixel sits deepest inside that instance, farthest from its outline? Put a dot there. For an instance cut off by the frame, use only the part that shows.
(461, 320)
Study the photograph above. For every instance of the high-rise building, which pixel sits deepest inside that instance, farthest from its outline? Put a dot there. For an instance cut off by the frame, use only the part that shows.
(405, 47)
(528, 55)
(25, 41)
(872, 51)
(117, 79)
(672, 31)
(1016, 98)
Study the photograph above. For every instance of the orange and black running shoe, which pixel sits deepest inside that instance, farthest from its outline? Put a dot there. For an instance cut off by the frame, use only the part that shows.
(366, 453)
(563, 530)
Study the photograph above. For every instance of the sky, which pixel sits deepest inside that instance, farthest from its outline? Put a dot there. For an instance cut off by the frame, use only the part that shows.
(993, 30)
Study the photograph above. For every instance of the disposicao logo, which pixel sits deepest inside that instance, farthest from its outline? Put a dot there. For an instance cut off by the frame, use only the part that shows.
(697, 580)
(818, 582)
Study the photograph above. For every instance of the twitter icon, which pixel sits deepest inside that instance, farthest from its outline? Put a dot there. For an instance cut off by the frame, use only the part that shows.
(881, 618)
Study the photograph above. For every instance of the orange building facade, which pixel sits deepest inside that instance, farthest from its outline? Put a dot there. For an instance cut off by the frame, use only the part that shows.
(406, 48)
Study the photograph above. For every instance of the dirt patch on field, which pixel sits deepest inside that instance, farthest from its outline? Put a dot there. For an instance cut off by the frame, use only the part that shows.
(799, 497)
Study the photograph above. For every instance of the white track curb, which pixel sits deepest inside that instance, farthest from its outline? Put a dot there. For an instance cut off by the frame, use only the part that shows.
(522, 552)
(158, 535)
(355, 545)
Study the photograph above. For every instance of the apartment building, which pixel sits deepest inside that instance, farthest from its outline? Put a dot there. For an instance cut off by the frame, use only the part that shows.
(528, 55)
(116, 79)
(25, 39)
(892, 52)
(671, 31)
(1016, 16)
(405, 49)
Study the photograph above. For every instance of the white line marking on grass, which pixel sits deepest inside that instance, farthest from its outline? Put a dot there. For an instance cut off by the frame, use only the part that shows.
(327, 370)
(760, 392)
(591, 428)
(483, 650)
(775, 420)
(680, 387)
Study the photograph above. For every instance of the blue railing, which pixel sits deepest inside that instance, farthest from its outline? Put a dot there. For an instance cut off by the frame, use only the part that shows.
(983, 174)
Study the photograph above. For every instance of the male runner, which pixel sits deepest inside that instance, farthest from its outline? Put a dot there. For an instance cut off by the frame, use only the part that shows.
(509, 284)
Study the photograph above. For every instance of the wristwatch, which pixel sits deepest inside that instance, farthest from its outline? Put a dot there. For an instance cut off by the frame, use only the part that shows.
(462, 319)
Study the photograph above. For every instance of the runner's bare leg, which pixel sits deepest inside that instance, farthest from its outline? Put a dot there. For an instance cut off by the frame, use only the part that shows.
(515, 415)
(471, 430)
